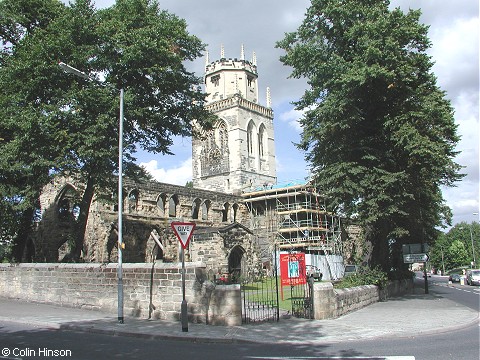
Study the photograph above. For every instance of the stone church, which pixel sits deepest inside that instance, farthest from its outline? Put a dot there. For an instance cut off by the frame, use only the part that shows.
(244, 220)
(238, 155)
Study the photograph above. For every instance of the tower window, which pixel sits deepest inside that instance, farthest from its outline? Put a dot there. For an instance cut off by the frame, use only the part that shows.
(250, 138)
(261, 140)
(215, 80)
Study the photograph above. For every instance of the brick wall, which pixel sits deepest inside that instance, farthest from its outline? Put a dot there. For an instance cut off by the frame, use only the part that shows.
(150, 291)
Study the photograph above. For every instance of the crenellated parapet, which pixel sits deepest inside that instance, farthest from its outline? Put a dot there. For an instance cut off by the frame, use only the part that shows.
(237, 101)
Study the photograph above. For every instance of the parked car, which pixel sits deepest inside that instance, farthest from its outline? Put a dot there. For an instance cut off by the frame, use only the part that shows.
(454, 278)
(314, 272)
(473, 277)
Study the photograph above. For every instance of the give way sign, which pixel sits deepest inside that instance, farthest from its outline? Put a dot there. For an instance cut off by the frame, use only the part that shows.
(183, 231)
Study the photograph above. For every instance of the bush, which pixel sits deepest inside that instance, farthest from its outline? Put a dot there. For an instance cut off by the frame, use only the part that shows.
(365, 277)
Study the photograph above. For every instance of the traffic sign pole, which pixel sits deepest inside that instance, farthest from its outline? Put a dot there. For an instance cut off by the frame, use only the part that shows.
(425, 275)
(184, 232)
(184, 312)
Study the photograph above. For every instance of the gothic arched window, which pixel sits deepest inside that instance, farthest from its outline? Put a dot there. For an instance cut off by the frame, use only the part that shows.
(172, 206)
(161, 200)
(262, 140)
(235, 212)
(222, 137)
(226, 208)
(205, 208)
(196, 208)
(133, 197)
(250, 131)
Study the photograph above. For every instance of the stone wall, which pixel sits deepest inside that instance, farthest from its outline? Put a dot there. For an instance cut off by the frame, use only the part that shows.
(150, 290)
(330, 303)
(148, 209)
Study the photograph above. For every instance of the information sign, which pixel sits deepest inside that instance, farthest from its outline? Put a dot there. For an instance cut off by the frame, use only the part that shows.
(292, 269)
(415, 258)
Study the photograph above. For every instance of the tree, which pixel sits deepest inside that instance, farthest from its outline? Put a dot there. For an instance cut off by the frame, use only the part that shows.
(456, 255)
(377, 131)
(59, 124)
(457, 246)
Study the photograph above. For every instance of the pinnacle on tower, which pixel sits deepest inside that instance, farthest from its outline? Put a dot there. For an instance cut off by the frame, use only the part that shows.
(207, 58)
(269, 98)
(254, 59)
(222, 52)
(242, 53)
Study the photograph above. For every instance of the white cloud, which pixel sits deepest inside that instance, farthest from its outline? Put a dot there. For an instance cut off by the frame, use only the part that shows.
(291, 117)
(177, 175)
(455, 52)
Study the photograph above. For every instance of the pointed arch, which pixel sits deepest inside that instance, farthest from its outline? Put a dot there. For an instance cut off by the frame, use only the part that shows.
(205, 209)
(196, 208)
(262, 141)
(161, 203)
(234, 212)
(172, 205)
(250, 138)
(225, 210)
(236, 263)
(222, 136)
(67, 203)
(133, 197)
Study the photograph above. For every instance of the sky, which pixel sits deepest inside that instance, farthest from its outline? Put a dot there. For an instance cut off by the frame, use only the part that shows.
(259, 24)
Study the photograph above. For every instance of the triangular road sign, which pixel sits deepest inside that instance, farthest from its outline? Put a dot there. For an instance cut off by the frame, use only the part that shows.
(183, 231)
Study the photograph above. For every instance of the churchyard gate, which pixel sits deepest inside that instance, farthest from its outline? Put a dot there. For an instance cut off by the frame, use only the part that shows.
(283, 291)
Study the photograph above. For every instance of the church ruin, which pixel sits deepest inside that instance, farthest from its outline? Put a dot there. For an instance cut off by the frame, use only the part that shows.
(242, 216)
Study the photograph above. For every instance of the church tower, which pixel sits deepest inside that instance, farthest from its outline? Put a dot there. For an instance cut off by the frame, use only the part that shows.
(239, 153)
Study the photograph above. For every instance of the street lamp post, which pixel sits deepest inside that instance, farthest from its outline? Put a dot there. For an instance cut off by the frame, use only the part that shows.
(76, 72)
(473, 245)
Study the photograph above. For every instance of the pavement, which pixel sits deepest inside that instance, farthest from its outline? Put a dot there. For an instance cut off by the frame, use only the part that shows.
(408, 316)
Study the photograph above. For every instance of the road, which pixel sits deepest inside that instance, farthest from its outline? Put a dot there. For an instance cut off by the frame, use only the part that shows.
(30, 342)
(465, 295)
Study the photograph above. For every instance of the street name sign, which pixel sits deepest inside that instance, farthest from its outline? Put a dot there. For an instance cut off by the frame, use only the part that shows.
(415, 258)
(183, 231)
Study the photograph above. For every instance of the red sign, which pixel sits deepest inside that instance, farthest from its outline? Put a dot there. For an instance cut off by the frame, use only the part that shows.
(292, 269)
(183, 231)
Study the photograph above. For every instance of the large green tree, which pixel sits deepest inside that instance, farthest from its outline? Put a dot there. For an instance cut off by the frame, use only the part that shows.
(460, 246)
(377, 130)
(53, 123)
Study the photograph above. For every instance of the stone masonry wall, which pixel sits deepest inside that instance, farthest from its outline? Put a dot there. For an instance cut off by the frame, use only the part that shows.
(330, 303)
(150, 291)
(147, 208)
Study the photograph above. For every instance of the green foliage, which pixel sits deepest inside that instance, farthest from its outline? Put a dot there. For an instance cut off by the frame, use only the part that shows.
(457, 247)
(377, 130)
(365, 277)
(54, 123)
(5, 251)
(456, 254)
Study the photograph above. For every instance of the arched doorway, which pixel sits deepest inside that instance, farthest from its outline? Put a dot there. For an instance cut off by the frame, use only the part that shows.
(236, 263)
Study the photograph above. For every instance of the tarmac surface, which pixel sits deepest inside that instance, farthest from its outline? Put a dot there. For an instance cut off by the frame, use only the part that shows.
(410, 315)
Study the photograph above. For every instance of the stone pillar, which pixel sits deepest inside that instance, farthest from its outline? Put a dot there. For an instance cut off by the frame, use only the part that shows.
(324, 300)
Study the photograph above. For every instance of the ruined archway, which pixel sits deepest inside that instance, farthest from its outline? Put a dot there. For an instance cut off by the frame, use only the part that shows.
(236, 263)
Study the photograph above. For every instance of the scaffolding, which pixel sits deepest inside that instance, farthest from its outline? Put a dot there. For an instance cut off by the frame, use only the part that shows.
(294, 218)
